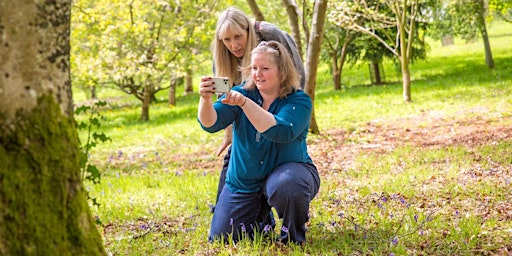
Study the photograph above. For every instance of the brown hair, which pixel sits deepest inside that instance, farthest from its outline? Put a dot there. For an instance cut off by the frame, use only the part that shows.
(288, 74)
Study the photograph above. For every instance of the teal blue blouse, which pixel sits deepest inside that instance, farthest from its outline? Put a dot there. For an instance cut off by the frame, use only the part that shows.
(254, 155)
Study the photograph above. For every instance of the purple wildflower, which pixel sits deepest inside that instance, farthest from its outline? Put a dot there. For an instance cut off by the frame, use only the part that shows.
(395, 241)
(284, 229)
(416, 217)
(231, 222)
(267, 228)
(391, 254)
(242, 226)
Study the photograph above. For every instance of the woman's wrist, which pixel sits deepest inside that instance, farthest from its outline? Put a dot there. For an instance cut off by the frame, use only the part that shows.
(245, 101)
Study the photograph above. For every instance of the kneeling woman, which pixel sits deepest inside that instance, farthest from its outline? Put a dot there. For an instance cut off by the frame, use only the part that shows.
(270, 165)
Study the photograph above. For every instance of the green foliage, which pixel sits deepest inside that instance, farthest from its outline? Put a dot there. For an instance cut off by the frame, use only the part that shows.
(139, 47)
(89, 172)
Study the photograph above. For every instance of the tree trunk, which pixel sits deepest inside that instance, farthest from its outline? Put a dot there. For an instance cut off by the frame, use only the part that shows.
(189, 87)
(258, 15)
(93, 93)
(336, 72)
(146, 101)
(293, 12)
(375, 69)
(172, 93)
(405, 54)
(489, 61)
(406, 82)
(44, 209)
(313, 56)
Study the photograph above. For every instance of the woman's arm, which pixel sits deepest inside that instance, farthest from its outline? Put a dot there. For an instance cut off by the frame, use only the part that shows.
(261, 119)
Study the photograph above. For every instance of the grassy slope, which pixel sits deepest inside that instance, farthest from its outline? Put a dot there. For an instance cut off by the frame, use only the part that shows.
(159, 177)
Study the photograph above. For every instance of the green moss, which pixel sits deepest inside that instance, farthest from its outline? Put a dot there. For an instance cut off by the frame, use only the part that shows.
(44, 208)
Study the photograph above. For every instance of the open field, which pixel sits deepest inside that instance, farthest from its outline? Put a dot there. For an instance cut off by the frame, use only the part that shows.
(431, 177)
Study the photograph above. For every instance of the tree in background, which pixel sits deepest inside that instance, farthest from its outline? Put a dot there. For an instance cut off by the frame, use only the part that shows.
(337, 42)
(141, 47)
(44, 208)
(313, 55)
(403, 16)
(468, 19)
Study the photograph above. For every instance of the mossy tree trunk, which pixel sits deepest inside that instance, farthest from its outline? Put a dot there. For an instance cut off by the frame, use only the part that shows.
(43, 205)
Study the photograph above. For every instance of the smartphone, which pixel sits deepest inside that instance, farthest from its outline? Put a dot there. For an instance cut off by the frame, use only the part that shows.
(222, 84)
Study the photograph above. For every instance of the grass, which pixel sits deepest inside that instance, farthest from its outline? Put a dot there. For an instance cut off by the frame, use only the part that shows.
(159, 178)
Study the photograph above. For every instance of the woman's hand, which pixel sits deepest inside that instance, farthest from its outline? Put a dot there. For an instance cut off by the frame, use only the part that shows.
(206, 87)
(234, 98)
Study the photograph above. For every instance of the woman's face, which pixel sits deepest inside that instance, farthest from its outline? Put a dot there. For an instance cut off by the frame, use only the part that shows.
(235, 42)
(265, 73)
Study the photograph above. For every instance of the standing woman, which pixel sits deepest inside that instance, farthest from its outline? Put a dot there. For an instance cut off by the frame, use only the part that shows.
(235, 37)
(270, 165)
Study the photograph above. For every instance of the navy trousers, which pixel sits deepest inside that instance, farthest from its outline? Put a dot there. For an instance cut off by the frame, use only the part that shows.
(289, 189)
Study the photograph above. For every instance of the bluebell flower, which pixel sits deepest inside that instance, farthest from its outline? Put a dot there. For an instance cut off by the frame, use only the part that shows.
(284, 229)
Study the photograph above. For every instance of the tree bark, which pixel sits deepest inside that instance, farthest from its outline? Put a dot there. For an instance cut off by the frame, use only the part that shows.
(258, 15)
(313, 56)
(146, 101)
(375, 69)
(293, 12)
(44, 209)
(489, 60)
(189, 87)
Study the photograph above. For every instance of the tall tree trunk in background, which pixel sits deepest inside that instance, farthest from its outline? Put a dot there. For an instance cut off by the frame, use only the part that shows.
(146, 101)
(44, 208)
(375, 69)
(339, 61)
(489, 60)
(172, 93)
(313, 55)
(93, 93)
(258, 15)
(189, 86)
(293, 17)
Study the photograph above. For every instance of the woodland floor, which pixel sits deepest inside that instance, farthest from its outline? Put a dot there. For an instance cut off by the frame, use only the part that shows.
(338, 148)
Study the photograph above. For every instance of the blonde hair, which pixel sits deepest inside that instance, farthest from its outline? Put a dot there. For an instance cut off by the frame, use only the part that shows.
(227, 64)
(288, 74)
